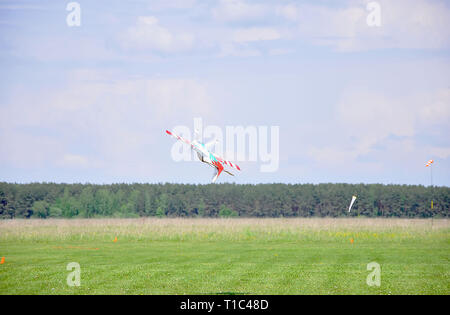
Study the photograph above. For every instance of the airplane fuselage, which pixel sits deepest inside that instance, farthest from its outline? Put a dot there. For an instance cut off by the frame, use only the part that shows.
(207, 157)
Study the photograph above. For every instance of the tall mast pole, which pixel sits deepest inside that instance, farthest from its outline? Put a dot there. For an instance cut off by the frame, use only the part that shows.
(431, 173)
(432, 195)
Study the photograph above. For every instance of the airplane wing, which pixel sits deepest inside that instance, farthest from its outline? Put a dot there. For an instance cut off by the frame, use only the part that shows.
(221, 160)
(229, 163)
(178, 137)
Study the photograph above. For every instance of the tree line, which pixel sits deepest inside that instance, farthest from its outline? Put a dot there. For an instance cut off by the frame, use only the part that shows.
(50, 200)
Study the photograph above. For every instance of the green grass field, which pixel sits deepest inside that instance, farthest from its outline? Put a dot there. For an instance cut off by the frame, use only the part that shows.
(225, 256)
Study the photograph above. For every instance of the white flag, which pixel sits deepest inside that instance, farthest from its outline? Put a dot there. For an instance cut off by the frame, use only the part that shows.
(351, 203)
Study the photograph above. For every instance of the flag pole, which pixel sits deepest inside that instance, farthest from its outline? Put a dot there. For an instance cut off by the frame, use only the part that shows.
(432, 195)
(430, 164)
(431, 173)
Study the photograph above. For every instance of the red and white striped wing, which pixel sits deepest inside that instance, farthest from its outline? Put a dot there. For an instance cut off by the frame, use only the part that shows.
(178, 137)
(229, 163)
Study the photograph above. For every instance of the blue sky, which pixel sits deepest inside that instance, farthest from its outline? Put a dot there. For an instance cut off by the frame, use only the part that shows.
(353, 103)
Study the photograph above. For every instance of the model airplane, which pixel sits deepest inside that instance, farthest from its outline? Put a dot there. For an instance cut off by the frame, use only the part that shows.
(206, 156)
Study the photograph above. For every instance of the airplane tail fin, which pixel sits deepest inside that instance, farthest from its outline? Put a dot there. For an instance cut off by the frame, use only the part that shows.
(216, 175)
(219, 169)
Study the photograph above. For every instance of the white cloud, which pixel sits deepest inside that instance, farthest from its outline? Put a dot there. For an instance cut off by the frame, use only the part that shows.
(371, 117)
(436, 109)
(230, 49)
(332, 156)
(405, 24)
(240, 42)
(289, 12)
(21, 7)
(49, 48)
(280, 51)
(417, 24)
(330, 26)
(25, 149)
(74, 160)
(149, 35)
(440, 152)
(238, 10)
(160, 5)
(255, 34)
(366, 120)
(114, 123)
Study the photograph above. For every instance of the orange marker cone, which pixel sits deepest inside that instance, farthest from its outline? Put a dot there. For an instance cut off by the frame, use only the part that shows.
(2, 261)
(115, 240)
(351, 241)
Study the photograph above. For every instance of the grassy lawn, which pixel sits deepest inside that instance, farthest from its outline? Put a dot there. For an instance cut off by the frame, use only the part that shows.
(217, 256)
